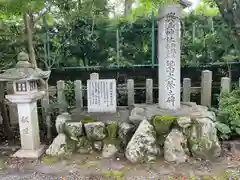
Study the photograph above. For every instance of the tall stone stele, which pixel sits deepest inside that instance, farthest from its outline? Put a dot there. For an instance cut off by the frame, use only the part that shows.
(169, 36)
(26, 93)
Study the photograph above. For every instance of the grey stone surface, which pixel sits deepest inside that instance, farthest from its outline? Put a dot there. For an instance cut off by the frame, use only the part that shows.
(188, 109)
(74, 130)
(58, 147)
(184, 121)
(95, 131)
(142, 147)
(203, 139)
(137, 115)
(125, 132)
(122, 114)
(175, 147)
(98, 145)
(60, 121)
(109, 151)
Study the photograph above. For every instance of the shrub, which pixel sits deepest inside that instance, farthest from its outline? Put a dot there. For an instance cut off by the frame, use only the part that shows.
(228, 116)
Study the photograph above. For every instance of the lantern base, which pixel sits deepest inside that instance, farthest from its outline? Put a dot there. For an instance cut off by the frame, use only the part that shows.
(31, 154)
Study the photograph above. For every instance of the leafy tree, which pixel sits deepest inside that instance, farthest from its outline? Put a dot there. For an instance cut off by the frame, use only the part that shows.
(30, 11)
(230, 10)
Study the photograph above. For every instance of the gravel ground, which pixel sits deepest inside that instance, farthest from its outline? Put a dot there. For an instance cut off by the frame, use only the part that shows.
(91, 167)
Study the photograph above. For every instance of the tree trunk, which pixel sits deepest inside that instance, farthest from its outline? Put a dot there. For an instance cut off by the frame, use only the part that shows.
(29, 38)
(6, 124)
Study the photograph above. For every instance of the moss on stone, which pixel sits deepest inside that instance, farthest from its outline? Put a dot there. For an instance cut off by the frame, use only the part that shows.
(163, 124)
(118, 175)
(49, 160)
(87, 120)
(112, 130)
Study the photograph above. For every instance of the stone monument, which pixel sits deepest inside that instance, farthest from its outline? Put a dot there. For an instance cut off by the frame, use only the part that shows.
(169, 35)
(24, 79)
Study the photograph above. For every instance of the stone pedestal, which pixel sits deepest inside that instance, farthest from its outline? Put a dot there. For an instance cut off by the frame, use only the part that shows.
(169, 35)
(28, 124)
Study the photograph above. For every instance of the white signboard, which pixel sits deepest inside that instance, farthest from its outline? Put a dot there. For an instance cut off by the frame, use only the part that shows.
(101, 95)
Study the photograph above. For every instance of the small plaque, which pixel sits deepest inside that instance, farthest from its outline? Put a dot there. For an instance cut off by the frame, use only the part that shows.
(101, 95)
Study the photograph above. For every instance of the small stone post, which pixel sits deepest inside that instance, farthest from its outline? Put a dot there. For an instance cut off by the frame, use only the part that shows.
(13, 116)
(169, 37)
(61, 96)
(186, 90)
(130, 91)
(94, 76)
(149, 91)
(78, 94)
(225, 84)
(206, 88)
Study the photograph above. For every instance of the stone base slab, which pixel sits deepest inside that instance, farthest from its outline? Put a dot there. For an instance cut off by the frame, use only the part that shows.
(32, 154)
(189, 109)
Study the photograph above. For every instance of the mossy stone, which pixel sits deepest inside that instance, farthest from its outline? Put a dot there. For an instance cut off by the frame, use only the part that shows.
(83, 142)
(71, 145)
(161, 139)
(112, 130)
(163, 124)
(87, 120)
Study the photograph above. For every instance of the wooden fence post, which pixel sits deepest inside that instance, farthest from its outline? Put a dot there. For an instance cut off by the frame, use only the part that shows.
(130, 91)
(78, 94)
(206, 88)
(225, 84)
(61, 96)
(186, 90)
(149, 91)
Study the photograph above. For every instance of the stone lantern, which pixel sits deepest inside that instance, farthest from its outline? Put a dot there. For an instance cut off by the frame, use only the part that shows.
(26, 93)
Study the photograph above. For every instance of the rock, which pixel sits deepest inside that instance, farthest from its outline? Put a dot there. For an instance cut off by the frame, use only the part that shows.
(206, 113)
(74, 130)
(142, 147)
(98, 145)
(58, 147)
(84, 146)
(163, 124)
(109, 151)
(95, 131)
(203, 139)
(84, 150)
(137, 115)
(211, 115)
(175, 147)
(60, 121)
(184, 122)
(125, 132)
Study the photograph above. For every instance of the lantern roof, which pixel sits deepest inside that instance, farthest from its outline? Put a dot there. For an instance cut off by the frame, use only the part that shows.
(23, 71)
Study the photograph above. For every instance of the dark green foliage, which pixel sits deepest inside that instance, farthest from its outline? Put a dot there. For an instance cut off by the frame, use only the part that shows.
(228, 119)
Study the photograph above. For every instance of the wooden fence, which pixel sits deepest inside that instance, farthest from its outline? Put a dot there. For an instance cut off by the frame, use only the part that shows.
(187, 90)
